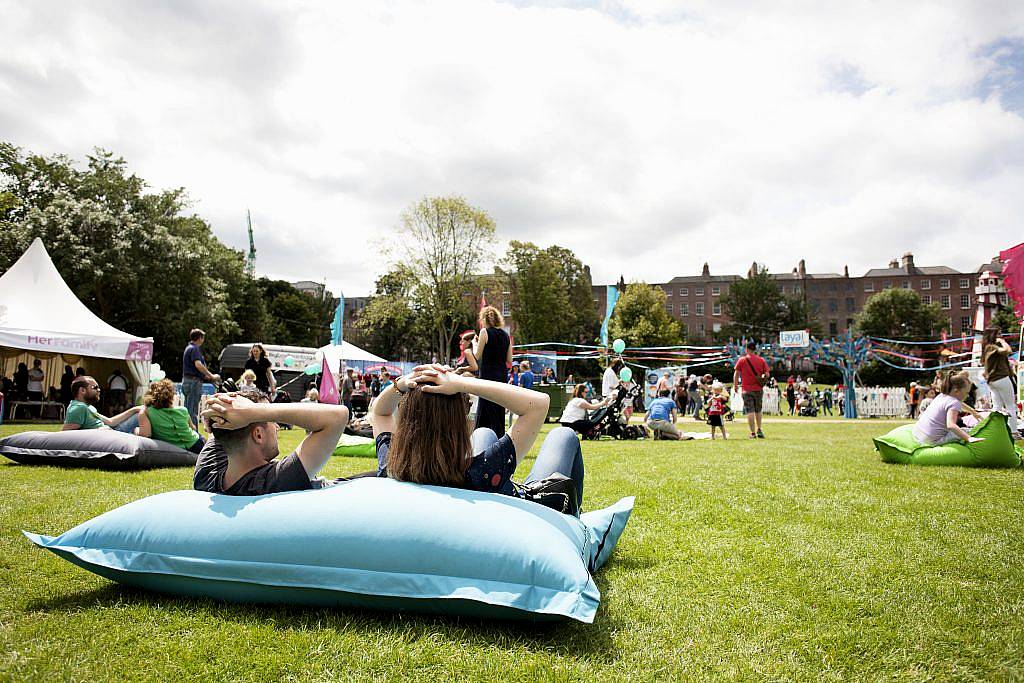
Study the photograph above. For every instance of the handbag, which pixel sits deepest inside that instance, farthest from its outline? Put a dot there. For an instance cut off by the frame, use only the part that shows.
(555, 491)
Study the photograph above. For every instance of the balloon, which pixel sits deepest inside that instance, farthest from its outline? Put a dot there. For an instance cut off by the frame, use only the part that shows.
(312, 369)
(618, 346)
(155, 367)
(625, 374)
(157, 376)
(289, 361)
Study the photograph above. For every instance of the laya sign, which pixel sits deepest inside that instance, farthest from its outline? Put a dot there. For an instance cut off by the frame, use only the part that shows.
(794, 339)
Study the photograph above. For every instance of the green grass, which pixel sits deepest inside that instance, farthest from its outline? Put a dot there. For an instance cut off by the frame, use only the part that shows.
(802, 557)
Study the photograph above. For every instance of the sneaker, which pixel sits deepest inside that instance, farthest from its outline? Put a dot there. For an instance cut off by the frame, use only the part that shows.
(753, 435)
(760, 434)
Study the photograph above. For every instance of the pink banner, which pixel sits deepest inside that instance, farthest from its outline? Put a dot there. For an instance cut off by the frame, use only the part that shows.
(328, 387)
(1013, 276)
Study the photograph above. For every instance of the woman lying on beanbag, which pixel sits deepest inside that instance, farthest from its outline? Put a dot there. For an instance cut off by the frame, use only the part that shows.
(938, 424)
(428, 441)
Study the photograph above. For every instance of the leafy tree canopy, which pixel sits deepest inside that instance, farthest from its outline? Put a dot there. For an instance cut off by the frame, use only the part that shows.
(640, 318)
(900, 314)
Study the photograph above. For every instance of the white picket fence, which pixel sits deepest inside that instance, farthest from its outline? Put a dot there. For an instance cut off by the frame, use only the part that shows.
(881, 401)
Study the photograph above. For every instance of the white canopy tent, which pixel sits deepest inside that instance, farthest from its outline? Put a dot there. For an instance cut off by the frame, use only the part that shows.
(349, 353)
(42, 317)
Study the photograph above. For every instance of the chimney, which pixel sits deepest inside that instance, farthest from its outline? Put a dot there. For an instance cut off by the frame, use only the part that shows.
(908, 262)
(846, 271)
(894, 263)
(706, 272)
(802, 269)
(753, 270)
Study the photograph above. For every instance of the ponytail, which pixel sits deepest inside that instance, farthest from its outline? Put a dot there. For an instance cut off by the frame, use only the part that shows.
(954, 381)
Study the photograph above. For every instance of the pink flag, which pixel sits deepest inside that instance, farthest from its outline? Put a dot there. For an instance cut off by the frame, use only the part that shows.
(328, 387)
(1013, 276)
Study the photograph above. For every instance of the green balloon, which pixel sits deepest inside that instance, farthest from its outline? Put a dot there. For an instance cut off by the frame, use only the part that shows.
(618, 346)
(289, 361)
(625, 374)
(312, 369)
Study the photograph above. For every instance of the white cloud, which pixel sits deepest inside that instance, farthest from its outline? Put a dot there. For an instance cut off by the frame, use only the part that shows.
(646, 136)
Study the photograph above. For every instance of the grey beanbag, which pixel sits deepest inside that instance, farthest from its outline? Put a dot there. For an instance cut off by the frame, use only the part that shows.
(98, 448)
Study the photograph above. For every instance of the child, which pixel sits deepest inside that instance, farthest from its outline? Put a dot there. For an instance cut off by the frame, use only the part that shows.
(312, 396)
(716, 407)
(937, 425)
(247, 380)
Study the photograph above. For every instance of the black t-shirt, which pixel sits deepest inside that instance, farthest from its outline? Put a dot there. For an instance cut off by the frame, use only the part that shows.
(286, 474)
(491, 470)
(260, 368)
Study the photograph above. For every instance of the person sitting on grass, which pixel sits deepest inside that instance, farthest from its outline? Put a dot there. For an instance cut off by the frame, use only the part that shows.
(938, 424)
(239, 458)
(82, 413)
(422, 433)
(575, 414)
(160, 419)
(661, 417)
(716, 407)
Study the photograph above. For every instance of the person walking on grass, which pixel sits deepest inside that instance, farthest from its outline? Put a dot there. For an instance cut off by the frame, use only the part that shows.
(753, 371)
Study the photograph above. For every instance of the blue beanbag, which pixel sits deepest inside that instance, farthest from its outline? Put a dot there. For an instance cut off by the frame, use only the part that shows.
(370, 542)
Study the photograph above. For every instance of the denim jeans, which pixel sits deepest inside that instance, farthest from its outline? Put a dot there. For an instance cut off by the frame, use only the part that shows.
(560, 452)
(192, 389)
(129, 425)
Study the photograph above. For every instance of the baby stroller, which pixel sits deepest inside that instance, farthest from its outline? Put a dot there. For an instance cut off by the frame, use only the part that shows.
(810, 407)
(610, 421)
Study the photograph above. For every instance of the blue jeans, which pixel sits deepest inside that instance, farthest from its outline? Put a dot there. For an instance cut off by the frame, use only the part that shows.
(192, 389)
(560, 452)
(129, 425)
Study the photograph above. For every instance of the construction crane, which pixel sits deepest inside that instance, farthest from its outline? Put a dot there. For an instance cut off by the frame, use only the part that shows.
(250, 263)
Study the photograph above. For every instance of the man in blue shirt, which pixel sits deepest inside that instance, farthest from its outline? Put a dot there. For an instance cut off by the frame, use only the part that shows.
(525, 375)
(193, 372)
(661, 417)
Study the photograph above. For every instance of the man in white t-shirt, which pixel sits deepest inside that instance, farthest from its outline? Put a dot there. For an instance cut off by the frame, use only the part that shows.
(36, 376)
(610, 381)
(118, 386)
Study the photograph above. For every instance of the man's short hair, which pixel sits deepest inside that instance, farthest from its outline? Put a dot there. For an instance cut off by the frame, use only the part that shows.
(663, 393)
(81, 382)
(196, 334)
(233, 439)
(751, 346)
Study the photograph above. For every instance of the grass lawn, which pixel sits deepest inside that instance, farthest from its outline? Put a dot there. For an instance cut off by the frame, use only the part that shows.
(802, 557)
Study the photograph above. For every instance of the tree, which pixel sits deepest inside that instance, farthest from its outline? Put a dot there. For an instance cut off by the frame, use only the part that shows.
(1006, 320)
(445, 242)
(389, 324)
(640, 318)
(576, 279)
(900, 314)
(758, 309)
(136, 259)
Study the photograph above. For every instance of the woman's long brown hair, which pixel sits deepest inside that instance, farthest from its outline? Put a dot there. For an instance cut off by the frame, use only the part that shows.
(431, 442)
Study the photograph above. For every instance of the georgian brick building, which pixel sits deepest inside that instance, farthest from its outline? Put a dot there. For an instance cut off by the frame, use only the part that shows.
(695, 300)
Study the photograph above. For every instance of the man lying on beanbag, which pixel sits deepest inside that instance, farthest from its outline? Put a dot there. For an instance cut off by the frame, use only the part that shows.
(239, 459)
(82, 413)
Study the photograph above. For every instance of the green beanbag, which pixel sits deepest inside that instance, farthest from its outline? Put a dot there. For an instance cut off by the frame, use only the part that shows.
(997, 450)
(356, 446)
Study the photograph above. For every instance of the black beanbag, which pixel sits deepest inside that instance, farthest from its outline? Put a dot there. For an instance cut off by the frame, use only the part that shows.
(98, 448)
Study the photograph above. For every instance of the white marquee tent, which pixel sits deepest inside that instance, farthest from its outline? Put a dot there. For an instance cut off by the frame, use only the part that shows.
(41, 317)
(350, 353)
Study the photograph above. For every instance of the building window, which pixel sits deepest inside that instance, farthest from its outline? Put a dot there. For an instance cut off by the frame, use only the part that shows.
(926, 298)
(965, 324)
(699, 291)
(944, 284)
(668, 292)
(833, 305)
(796, 289)
(1001, 298)
(699, 310)
(964, 283)
(926, 284)
(965, 301)
(905, 284)
(869, 286)
(716, 290)
(851, 304)
(832, 287)
(813, 287)
(833, 327)
(684, 309)
(887, 284)
(782, 289)
(684, 291)
(716, 308)
(945, 302)
(849, 286)
(505, 311)
(670, 308)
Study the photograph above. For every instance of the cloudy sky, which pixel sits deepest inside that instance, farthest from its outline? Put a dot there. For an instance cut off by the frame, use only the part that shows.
(647, 136)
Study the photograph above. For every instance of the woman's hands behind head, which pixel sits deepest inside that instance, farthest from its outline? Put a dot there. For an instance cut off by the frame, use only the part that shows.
(436, 379)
